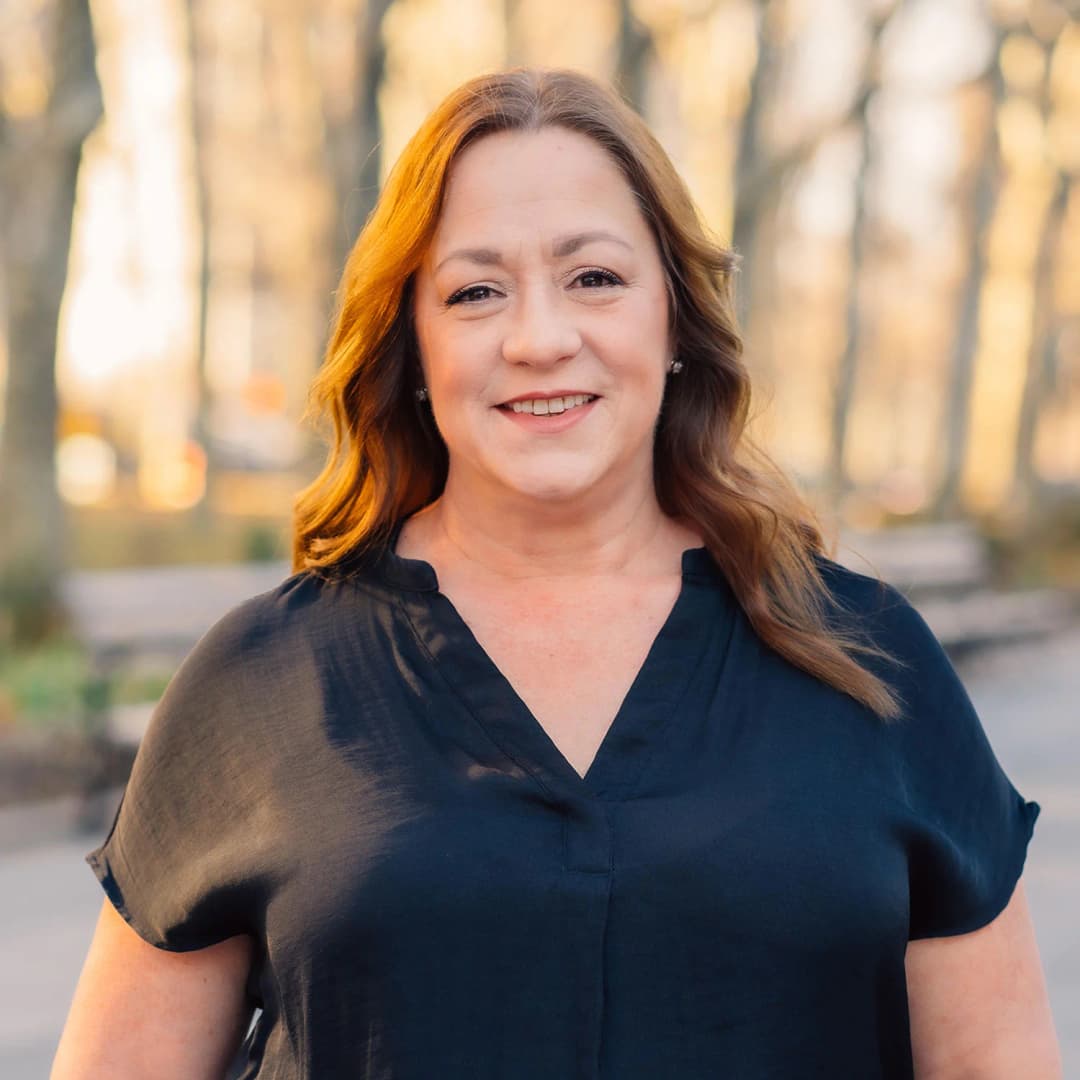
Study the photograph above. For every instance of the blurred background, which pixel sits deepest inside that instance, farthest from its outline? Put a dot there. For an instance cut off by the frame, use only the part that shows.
(180, 183)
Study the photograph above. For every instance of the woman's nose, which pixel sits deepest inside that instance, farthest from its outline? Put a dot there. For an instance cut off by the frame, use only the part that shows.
(540, 330)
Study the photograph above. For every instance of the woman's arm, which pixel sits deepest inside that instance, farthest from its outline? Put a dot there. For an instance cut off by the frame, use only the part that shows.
(140, 1012)
(978, 1001)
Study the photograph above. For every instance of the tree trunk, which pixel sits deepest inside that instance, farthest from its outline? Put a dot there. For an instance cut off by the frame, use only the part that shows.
(1042, 350)
(515, 47)
(633, 55)
(759, 176)
(39, 164)
(843, 391)
(965, 343)
(203, 209)
(844, 384)
(354, 143)
(749, 159)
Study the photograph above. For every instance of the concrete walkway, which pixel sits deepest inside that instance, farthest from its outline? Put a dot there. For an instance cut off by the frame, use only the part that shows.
(1029, 701)
(1027, 696)
(49, 902)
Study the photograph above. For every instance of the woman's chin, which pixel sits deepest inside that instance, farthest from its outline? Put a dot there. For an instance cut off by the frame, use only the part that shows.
(549, 491)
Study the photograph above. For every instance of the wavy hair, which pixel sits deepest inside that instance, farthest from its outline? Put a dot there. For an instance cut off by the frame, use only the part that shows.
(387, 459)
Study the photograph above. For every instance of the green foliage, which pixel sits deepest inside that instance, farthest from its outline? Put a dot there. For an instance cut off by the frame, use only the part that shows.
(106, 538)
(264, 544)
(43, 687)
(30, 608)
(139, 688)
(1042, 550)
(54, 687)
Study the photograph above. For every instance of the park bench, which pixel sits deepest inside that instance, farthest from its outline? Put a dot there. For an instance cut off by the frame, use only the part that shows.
(154, 615)
(144, 619)
(945, 570)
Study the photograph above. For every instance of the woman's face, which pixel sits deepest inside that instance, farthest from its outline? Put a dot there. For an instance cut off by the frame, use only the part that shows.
(543, 287)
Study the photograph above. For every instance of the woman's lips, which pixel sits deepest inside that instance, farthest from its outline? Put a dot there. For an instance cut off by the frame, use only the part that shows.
(548, 395)
(552, 423)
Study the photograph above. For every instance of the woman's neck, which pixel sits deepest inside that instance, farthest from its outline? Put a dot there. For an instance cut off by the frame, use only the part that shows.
(517, 540)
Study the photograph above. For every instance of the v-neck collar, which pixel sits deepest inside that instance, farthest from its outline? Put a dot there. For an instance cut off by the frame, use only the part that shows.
(491, 699)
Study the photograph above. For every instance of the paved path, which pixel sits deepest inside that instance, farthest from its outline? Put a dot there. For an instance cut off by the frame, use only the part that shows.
(162, 601)
(1029, 701)
(49, 902)
(1028, 698)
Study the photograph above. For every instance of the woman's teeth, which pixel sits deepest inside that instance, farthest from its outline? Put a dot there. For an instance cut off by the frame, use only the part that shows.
(544, 406)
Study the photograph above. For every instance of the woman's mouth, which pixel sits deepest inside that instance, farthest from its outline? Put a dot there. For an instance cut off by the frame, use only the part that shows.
(549, 415)
(548, 406)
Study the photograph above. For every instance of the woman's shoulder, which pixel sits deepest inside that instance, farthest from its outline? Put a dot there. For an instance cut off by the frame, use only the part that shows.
(297, 597)
(299, 612)
(913, 659)
(856, 592)
(268, 650)
(880, 609)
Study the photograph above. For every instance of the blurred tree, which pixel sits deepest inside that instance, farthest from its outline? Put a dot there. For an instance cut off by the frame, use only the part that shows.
(984, 194)
(1045, 338)
(201, 105)
(354, 136)
(836, 481)
(749, 160)
(40, 156)
(761, 172)
(633, 55)
(1046, 321)
(514, 46)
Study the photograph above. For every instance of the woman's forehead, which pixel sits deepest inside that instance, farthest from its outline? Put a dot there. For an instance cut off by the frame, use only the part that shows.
(554, 182)
(564, 154)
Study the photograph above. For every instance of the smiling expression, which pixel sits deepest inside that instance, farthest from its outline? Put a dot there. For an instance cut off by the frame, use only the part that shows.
(541, 313)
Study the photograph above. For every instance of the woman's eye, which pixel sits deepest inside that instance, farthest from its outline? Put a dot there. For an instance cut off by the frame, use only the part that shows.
(589, 279)
(469, 295)
(592, 279)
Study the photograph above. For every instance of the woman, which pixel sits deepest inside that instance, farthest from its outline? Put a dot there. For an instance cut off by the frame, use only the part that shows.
(566, 752)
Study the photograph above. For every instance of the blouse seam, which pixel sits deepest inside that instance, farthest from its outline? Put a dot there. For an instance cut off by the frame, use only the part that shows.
(1017, 860)
(524, 766)
(914, 812)
(378, 592)
(625, 791)
(998, 900)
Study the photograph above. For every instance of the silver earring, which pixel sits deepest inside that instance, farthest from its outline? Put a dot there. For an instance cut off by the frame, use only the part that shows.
(421, 394)
(675, 367)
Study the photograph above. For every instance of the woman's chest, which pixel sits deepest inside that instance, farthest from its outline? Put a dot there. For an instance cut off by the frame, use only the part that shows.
(571, 664)
(725, 859)
(720, 808)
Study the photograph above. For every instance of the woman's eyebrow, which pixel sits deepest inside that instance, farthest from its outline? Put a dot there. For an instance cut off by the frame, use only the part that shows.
(564, 245)
(567, 245)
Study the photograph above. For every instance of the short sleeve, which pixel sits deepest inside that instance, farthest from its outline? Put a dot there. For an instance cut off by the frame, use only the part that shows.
(179, 860)
(968, 828)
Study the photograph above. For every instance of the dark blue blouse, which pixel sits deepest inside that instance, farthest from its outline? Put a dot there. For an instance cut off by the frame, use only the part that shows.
(339, 770)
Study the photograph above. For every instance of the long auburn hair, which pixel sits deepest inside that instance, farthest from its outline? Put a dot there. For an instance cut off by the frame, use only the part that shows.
(387, 459)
